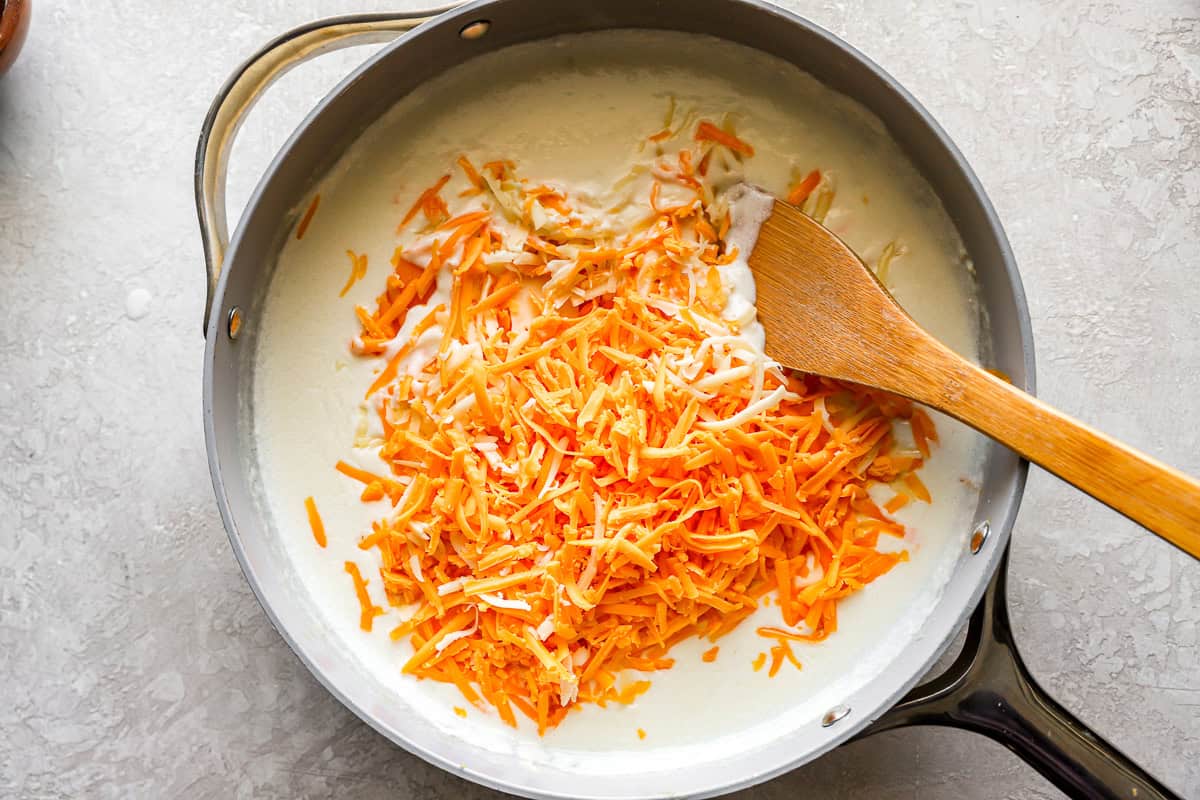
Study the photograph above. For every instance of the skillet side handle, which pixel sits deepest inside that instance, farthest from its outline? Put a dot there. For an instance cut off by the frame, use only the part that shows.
(988, 690)
(243, 89)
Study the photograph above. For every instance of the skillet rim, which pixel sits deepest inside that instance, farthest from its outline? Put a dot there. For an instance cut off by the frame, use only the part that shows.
(1009, 494)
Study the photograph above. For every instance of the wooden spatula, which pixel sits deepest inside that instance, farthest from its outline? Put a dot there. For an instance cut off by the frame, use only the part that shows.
(824, 312)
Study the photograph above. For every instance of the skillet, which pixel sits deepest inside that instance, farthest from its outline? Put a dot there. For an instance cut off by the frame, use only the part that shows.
(987, 689)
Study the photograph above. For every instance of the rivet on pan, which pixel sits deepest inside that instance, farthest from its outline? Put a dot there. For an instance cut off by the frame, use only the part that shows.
(235, 323)
(475, 30)
(834, 715)
(980, 535)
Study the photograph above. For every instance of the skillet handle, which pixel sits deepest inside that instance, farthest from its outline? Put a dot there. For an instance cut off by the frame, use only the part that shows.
(989, 690)
(241, 92)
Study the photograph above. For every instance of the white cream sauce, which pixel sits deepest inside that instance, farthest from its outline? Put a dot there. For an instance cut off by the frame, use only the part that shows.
(574, 111)
(749, 209)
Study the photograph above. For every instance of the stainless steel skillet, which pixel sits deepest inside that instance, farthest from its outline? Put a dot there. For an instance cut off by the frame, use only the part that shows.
(987, 690)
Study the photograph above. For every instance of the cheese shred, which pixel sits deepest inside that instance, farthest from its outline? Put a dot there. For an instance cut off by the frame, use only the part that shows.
(586, 463)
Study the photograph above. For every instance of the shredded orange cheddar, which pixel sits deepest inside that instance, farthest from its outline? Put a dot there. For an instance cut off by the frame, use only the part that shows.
(641, 733)
(587, 464)
(917, 488)
(429, 202)
(358, 270)
(302, 228)
(923, 431)
(314, 521)
(710, 655)
(779, 653)
(472, 174)
(707, 131)
(800, 192)
(369, 610)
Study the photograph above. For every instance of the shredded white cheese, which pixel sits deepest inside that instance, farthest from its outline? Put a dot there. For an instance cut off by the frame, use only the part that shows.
(503, 602)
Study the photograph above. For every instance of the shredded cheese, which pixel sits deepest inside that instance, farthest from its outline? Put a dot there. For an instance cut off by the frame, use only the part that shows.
(358, 270)
(585, 462)
(306, 220)
(314, 521)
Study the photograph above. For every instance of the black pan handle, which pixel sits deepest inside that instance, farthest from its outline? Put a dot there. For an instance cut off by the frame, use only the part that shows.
(989, 690)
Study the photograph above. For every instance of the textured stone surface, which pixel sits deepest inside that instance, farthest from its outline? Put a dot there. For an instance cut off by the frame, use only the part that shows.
(134, 661)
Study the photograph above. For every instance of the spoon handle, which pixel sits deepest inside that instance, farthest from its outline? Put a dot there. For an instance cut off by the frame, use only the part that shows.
(1156, 496)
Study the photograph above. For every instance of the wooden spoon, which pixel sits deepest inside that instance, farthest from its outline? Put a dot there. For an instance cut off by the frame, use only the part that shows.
(825, 312)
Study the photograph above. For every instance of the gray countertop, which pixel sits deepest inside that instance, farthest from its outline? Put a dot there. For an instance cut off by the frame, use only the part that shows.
(134, 660)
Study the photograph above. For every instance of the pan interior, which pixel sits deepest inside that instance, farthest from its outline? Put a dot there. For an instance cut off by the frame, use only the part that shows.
(575, 109)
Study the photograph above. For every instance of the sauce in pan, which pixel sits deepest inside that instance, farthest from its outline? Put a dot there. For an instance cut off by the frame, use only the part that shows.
(575, 111)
